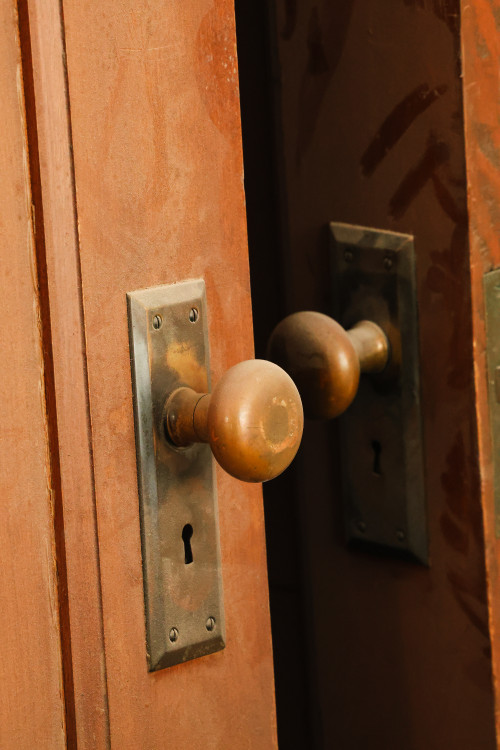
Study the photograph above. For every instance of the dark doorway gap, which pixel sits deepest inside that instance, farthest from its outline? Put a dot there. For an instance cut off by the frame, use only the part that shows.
(262, 185)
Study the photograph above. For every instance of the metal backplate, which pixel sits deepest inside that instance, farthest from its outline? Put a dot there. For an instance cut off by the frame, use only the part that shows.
(492, 301)
(177, 494)
(381, 432)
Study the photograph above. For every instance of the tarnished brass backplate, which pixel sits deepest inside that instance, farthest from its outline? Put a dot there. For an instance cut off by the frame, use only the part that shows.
(381, 432)
(491, 282)
(177, 493)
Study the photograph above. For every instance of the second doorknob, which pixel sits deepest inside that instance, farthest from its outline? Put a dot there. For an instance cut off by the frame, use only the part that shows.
(325, 361)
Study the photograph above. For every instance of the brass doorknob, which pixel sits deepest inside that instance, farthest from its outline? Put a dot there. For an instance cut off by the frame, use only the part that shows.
(253, 420)
(325, 361)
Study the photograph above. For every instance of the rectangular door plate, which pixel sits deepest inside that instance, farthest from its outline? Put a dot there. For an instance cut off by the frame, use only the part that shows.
(381, 432)
(491, 282)
(177, 494)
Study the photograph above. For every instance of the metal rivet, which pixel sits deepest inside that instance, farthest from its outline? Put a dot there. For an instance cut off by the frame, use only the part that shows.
(400, 535)
(361, 526)
(157, 321)
(348, 256)
(388, 263)
(194, 314)
(210, 624)
(173, 635)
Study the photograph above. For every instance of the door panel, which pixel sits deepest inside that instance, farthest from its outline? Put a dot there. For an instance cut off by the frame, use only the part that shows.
(368, 112)
(31, 698)
(158, 179)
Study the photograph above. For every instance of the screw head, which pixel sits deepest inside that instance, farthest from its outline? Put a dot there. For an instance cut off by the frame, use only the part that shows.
(194, 314)
(348, 256)
(157, 321)
(361, 526)
(388, 263)
(173, 635)
(210, 624)
(401, 536)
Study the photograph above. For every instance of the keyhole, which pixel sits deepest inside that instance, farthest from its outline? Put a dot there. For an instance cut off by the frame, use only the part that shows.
(377, 450)
(187, 533)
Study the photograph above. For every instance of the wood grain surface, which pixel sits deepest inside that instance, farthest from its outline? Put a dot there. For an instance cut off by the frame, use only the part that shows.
(158, 175)
(31, 694)
(481, 76)
(52, 174)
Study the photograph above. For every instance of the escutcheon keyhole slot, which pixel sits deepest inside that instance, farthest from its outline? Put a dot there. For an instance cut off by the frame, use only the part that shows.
(377, 450)
(187, 533)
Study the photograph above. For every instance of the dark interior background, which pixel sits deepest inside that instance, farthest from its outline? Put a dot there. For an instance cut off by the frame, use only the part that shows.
(260, 114)
(352, 111)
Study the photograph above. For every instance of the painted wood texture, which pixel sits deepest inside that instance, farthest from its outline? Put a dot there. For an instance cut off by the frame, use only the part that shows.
(158, 174)
(50, 139)
(481, 77)
(370, 101)
(31, 699)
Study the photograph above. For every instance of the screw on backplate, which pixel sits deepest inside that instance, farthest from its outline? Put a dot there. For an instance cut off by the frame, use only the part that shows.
(401, 536)
(388, 263)
(173, 635)
(194, 314)
(157, 321)
(210, 624)
(361, 526)
(348, 256)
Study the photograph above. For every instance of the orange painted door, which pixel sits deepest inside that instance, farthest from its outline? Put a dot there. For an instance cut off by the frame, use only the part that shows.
(135, 158)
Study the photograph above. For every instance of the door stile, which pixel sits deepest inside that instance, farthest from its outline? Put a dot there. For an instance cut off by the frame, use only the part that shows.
(49, 134)
(46, 345)
(32, 696)
(481, 81)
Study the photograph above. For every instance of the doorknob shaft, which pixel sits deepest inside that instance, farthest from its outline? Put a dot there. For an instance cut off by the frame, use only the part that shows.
(371, 345)
(325, 361)
(253, 420)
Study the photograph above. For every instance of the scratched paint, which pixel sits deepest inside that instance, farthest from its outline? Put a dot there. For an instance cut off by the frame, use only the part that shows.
(397, 123)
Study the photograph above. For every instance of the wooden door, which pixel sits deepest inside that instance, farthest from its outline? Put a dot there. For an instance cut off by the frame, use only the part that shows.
(122, 169)
(383, 115)
(133, 136)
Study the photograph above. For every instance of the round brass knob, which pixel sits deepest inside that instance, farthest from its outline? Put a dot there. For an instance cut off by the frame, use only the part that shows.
(253, 420)
(325, 361)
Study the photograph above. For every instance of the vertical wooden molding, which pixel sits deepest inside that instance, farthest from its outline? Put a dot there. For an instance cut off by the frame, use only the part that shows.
(49, 133)
(45, 334)
(481, 84)
(31, 698)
